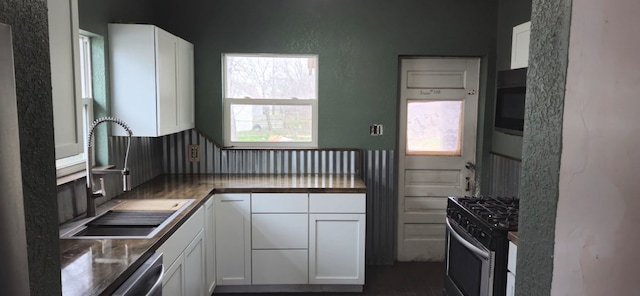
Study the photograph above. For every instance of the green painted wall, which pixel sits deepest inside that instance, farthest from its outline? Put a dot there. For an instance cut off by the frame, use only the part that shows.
(358, 42)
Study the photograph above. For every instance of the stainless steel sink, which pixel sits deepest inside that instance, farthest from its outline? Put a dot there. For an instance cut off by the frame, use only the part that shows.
(124, 224)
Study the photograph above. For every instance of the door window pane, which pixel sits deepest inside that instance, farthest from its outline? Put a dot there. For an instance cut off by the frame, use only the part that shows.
(434, 127)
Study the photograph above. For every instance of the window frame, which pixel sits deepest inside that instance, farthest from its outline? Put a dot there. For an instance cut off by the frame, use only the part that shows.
(228, 102)
(77, 162)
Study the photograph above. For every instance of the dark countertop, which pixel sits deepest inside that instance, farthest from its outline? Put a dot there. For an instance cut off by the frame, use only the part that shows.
(513, 237)
(99, 266)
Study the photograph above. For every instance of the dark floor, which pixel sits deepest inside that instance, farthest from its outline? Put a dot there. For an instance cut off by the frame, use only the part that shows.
(400, 279)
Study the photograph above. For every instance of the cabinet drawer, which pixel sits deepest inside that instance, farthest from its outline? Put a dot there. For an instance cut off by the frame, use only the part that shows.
(279, 202)
(279, 231)
(175, 245)
(513, 255)
(280, 267)
(337, 203)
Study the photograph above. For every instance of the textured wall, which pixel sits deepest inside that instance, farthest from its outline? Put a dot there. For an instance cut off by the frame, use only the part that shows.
(14, 277)
(597, 221)
(28, 19)
(542, 144)
(358, 43)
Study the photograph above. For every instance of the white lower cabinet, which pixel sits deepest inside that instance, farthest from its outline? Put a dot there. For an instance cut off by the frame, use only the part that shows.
(336, 249)
(511, 284)
(173, 280)
(511, 269)
(280, 267)
(183, 258)
(233, 238)
(194, 267)
(210, 246)
(276, 239)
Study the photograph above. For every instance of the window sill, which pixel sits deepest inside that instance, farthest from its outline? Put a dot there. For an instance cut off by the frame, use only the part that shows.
(78, 175)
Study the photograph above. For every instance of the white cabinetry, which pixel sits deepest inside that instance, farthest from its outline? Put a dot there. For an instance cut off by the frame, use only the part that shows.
(279, 232)
(511, 269)
(151, 79)
(270, 240)
(210, 246)
(183, 258)
(233, 239)
(336, 238)
(520, 45)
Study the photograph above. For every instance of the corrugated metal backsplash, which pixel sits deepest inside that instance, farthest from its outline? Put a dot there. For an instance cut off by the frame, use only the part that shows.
(504, 179)
(213, 159)
(145, 163)
(171, 154)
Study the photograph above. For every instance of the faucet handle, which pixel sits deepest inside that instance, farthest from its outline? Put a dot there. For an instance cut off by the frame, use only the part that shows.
(100, 192)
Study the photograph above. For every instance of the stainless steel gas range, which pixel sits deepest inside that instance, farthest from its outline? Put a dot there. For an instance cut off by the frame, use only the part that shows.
(477, 244)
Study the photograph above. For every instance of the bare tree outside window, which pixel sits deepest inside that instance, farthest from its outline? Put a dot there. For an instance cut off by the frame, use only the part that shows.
(271, 98)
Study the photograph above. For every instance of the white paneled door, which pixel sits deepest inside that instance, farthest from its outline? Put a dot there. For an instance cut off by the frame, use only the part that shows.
(437, 148)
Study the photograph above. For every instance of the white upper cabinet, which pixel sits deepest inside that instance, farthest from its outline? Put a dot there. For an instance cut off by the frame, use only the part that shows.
(186, 87)
(151, 80)
(520, 45)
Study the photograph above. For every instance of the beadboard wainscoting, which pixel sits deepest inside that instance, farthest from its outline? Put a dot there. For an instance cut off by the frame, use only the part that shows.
(504, 177)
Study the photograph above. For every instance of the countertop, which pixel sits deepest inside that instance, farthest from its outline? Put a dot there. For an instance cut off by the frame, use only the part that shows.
(99, 266)
(513, 237)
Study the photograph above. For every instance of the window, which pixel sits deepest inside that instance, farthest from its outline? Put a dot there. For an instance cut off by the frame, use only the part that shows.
(76, 162)
(270, 100)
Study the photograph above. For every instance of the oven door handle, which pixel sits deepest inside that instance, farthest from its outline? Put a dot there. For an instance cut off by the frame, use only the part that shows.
(481, 253)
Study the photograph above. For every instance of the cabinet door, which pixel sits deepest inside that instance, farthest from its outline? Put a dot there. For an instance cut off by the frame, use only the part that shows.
(511, 284)
(173, 280)
(336, 249)
(167, 108)
(520, 45)
(194, 266)
(233, 239)
(186, 91)
(210, 246)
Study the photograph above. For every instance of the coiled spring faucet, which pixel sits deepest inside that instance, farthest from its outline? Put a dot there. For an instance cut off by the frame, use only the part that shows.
(126, 174)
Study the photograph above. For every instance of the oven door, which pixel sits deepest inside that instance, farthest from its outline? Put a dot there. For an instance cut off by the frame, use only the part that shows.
(469, 264)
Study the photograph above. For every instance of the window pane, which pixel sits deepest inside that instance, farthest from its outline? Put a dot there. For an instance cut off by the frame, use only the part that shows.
(271, 123)
(270, 77)
(434, 127)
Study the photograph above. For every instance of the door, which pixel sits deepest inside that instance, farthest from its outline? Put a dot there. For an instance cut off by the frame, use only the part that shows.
(437, 140)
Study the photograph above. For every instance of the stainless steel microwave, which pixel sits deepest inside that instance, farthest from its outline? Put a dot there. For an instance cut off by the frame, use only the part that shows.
(510, 101)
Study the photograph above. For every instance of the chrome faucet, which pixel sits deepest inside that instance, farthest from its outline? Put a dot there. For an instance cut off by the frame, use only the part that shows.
(126, 176)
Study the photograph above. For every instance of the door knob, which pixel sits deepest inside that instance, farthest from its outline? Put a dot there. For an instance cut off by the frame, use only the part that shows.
(470, 166)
